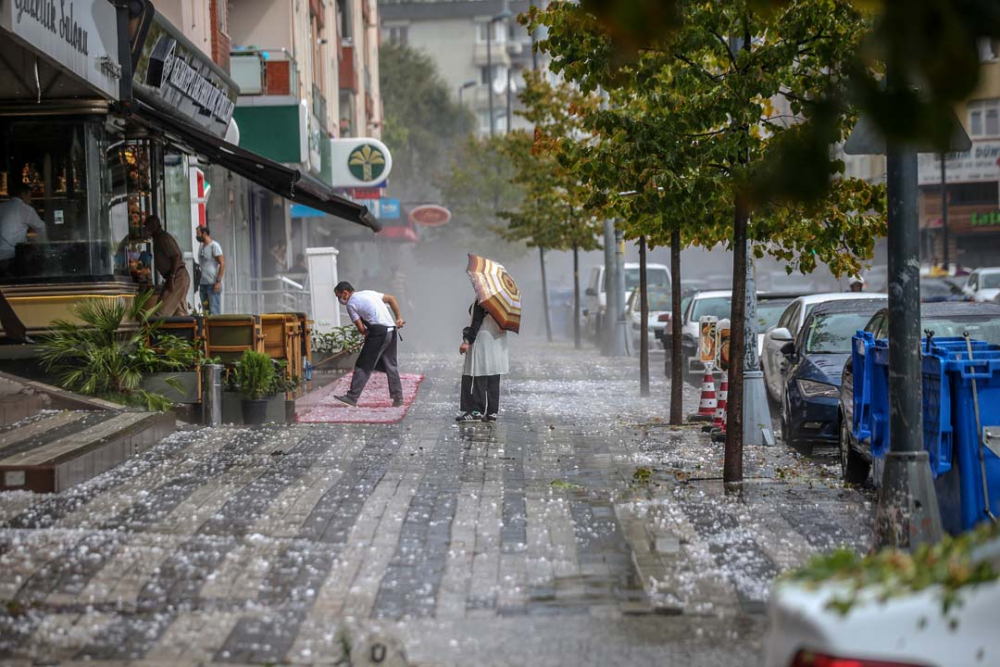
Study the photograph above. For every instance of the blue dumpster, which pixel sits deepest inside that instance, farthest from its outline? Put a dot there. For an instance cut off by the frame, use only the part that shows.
(951, 437)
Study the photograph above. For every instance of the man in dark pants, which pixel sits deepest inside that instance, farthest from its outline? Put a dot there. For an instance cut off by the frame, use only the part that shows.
(370, 312)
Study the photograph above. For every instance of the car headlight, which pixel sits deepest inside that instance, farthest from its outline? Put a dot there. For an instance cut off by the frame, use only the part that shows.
(812, 389)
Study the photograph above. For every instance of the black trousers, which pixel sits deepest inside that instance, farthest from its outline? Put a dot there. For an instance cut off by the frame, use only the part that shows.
(481, 394)
(379, 351)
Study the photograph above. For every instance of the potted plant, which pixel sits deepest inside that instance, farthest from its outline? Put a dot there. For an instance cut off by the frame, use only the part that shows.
(255, 378)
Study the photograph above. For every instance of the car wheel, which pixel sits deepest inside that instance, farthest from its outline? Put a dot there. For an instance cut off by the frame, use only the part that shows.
(853, 466)
(803, 448)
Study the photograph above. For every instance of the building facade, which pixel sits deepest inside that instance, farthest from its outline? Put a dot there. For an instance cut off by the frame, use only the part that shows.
(466, 39)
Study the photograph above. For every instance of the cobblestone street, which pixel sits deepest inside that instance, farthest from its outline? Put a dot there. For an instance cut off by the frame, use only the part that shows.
(577, 530)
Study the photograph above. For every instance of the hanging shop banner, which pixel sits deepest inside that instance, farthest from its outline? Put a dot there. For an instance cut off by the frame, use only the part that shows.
(979, 164)
(174, 76)
(359, 162)
(80, 36)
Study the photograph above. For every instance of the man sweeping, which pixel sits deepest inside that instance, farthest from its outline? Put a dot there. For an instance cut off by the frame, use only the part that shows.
(371, 314)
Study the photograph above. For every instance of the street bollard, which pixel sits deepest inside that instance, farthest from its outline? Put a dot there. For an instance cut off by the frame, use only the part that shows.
(211, 394)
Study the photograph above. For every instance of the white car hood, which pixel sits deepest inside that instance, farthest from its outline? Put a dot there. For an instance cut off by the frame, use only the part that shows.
(910, 628)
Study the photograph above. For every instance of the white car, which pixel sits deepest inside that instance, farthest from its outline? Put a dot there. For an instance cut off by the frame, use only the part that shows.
(910, 630)
(771, 358)
(716, 303)
(983, 284)
(657, 277)
(659, 304)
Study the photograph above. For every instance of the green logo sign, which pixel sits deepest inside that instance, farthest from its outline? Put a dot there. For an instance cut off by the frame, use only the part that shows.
(991, 219)
(366, 163)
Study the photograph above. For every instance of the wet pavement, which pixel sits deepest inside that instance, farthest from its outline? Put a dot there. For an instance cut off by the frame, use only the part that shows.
(577, 530)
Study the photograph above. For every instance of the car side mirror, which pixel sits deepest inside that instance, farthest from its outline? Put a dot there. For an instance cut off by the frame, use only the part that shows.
(781, 334)
(788, 349)
(590, 291)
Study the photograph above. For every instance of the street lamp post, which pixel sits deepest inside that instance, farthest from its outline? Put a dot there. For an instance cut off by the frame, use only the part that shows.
(461, 89)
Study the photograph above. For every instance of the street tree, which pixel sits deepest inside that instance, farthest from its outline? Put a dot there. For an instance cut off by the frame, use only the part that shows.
(423, 125)
(742, 89)
(551, 214)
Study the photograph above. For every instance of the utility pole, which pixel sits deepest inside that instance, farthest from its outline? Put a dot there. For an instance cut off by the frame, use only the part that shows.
(756, 413)
(489, 72)
(944, 214)
(619, 346)
(607, 318)
(545, 296)
(644, 326)
(576, 296)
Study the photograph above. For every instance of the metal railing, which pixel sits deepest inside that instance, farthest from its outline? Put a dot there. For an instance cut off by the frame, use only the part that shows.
(283, 293)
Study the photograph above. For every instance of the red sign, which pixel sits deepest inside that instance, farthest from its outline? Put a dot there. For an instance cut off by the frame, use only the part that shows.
(366, 193)
(430, 215)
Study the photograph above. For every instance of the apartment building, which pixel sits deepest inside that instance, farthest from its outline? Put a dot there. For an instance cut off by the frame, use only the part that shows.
(476, 44)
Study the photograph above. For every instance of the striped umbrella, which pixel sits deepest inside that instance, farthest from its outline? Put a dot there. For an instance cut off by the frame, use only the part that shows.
(496, 291)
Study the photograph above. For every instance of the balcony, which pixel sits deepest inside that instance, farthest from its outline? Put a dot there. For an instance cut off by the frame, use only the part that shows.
(499, 53)
(347, 71)
(264, 72)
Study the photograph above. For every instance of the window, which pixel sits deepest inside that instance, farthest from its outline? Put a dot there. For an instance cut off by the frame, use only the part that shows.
(984, 118)
(399, 34)
(499, 74)
(222, 16)
(499, 31)
(484, 122)
(832, 333)
(719, 307)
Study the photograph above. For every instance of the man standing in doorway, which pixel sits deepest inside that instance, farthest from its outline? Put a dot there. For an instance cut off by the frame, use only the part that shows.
(370, 312)
(213, 267)
(169, 262)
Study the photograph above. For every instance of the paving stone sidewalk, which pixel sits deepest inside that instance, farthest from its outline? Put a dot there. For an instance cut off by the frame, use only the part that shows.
(577, 530)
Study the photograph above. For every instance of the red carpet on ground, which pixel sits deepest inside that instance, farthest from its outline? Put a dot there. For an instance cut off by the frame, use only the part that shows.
(374, 407)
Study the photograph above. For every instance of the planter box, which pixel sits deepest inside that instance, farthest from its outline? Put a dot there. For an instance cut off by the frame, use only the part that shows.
(279, 410)
(341, 361)
(157, 383)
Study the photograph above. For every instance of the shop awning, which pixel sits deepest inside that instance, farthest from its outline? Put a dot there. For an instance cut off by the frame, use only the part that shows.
(285, 181)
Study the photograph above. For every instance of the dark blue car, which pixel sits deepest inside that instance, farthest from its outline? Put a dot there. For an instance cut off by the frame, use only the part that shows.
(816, 358)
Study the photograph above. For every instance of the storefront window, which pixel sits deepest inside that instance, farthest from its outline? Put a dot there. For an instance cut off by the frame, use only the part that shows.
(60, 160)
(134, 195)
(177, 212)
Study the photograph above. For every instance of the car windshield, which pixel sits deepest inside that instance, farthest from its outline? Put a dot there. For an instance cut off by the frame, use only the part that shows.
(654, 278)
(989, 280)
(719, 306)
(769, 312)
(831, 333)
(979, 328)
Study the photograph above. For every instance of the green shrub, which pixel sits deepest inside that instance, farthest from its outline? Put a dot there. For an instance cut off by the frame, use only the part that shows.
(339, 339)
(255, 375)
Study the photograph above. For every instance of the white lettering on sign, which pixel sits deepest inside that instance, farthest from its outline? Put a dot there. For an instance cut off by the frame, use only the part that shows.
(44, 12)
(205, 94)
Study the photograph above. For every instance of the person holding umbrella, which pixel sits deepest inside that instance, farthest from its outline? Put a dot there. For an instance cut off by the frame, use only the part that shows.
(496, 311)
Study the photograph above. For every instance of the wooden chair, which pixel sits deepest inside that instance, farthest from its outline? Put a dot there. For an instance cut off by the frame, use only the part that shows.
(228, 336)
(281, 332)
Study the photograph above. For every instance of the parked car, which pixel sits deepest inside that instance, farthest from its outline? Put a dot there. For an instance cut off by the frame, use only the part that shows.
(912, 626)
(715, 303)
(983, 284)
(770, 306)
(789, 324)
(933, 290)
(657, 276)
(810, 412)
(659, 304)
(981, 320)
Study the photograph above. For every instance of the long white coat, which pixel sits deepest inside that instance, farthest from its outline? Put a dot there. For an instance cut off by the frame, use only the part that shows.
(488, 355)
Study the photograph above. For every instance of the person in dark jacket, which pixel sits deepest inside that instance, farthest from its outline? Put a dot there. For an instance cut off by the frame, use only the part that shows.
(484, 345)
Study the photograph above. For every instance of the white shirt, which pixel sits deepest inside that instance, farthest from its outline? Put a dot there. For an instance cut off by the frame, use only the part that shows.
(369, 306)
(16, 218)
(209, 263)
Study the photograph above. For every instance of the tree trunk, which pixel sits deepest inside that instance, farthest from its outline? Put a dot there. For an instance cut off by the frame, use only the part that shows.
(576, 296)
(545, 296)
(676, 357)
(732, 470)
(644, 325)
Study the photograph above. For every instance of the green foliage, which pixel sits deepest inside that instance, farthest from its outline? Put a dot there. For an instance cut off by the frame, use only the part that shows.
(890, 573)
(255, 375)
(339, 339)
(107, 354)
(422, 123)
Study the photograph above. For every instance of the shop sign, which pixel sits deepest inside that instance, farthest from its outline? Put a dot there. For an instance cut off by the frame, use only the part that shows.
(989, 219)
(315, 148)
(388, 209)
(430, 215)
(80, 36)
(174, 73)
(359, 162)
(981, 163)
